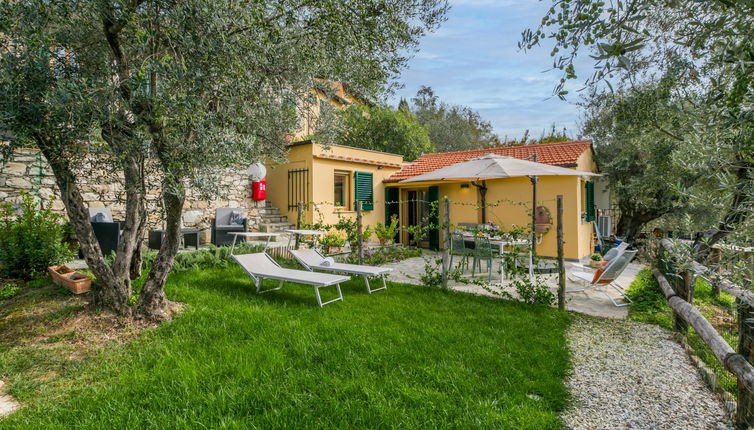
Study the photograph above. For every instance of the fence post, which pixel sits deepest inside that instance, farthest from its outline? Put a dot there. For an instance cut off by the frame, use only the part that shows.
(299, 214)
(446, 248)
(561, 258)
(679, 285)
(744, 415)
(359, 234)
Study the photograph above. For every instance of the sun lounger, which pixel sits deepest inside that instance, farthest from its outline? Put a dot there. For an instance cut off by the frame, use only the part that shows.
(313, 260)
(607, 277)
(261, 266)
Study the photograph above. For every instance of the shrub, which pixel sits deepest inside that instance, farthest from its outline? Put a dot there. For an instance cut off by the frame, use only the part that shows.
(380, 256)
(648, 303)
(9, 291)
(533, 292)
(387, 232)
(432, 276)
(31, 238)
(331, 239)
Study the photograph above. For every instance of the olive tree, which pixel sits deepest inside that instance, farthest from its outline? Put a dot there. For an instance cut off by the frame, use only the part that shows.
(632, 41)
(179, 91)
(636, 133)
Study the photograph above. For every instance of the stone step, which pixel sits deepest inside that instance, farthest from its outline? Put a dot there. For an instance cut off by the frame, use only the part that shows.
(269, 211)
(267, 219)
(275, 227)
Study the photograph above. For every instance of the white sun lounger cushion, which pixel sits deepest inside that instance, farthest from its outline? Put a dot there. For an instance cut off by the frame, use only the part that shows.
(260, 265)
(314, 260)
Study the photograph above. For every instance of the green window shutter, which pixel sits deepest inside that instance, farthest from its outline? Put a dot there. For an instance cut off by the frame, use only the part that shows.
(433, 197)
(590, 201)
(363, 190)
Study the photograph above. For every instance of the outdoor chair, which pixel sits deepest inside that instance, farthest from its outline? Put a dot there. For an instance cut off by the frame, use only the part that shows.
(312, 260)
(482, 252)
(261, 266)
(105, 229)
(226, 221)
(609, 255)
(458, 249)
(607, 276)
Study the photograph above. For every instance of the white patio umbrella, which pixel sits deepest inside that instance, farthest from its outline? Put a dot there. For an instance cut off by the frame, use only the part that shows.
(493, 166)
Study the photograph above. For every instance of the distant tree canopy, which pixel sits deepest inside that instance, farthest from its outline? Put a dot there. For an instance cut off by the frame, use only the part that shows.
(451, 127)
(379, 128)
(548, 136)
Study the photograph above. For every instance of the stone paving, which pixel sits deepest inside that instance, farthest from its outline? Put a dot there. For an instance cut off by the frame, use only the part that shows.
(591, 302)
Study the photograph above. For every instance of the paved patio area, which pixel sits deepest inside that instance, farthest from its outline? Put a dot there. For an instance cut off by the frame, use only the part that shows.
(591, 302)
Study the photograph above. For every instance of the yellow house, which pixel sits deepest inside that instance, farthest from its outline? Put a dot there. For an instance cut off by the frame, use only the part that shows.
(508, 200)
(311, 107)
(330, 179)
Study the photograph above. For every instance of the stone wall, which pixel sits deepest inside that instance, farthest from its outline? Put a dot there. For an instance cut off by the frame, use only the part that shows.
(28, 171)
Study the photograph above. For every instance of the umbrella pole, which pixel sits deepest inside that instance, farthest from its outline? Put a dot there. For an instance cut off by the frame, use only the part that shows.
(483, 194)
(534, 181)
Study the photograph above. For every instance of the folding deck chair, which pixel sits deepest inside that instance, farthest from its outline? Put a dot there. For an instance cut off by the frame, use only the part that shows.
(261, 266)
(607, 276)
(313, 260)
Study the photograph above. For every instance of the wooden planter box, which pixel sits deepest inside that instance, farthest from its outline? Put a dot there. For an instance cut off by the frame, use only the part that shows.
(66, 277)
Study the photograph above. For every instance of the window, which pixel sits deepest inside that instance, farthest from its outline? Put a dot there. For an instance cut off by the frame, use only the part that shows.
(364, 190)
(340, 188)
(589, 187)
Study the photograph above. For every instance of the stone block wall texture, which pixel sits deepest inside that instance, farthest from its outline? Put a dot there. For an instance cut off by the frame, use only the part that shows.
(28, 171)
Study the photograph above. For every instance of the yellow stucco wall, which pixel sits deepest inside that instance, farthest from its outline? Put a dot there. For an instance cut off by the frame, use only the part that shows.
(513, 197)
(322, 167)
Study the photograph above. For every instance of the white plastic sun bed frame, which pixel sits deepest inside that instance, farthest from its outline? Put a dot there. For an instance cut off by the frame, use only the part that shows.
(312, 260)
(261, 266)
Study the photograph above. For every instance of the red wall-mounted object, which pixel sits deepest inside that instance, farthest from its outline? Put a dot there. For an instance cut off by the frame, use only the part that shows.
(259, 190)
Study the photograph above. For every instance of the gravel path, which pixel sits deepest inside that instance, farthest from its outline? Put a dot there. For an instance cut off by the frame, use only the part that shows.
(629, 375)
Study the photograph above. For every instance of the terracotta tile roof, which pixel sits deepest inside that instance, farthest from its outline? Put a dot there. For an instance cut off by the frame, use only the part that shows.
(564, 154)
(357, 160)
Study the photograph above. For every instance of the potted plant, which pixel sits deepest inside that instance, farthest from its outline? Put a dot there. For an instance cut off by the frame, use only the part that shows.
(386, 233)
(332, 242)
(366, 233)
(595, 260)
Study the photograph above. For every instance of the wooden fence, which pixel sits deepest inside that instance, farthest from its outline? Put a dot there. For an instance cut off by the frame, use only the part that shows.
(679, 291)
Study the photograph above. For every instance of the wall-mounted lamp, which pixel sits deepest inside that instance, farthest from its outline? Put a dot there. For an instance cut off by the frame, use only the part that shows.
(464, 185)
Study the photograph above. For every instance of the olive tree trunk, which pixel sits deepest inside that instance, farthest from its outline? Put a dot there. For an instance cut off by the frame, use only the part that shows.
(112, 288)
(152, 301)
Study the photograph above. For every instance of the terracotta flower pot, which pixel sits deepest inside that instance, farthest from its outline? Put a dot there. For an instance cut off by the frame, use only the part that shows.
(333, 249)
(595, 264)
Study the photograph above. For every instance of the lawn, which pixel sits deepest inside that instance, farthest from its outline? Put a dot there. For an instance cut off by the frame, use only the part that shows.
(408, 357)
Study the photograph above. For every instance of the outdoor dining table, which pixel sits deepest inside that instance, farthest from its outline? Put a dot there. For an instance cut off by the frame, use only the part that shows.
(499, 245)
(252, 234)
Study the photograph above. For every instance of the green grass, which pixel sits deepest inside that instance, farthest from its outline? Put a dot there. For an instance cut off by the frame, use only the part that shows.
(650, 306)
(408, 357)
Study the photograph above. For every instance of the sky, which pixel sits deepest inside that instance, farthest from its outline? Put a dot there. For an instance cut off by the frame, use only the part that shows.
(473, 60)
